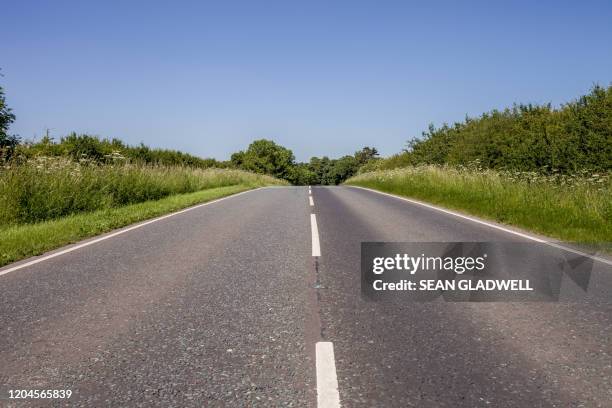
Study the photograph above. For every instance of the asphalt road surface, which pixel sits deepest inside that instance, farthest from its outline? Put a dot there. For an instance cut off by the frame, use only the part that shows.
(246, 302)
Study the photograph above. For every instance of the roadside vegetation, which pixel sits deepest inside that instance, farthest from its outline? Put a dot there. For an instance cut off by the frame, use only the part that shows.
(574, 208)
(101, 151)
(47, 188)
(262, 156)
(20, 241)
(576, 137)
(534, 166)
(53, 193)
(48, 202)
(266, 157)
(545, 169)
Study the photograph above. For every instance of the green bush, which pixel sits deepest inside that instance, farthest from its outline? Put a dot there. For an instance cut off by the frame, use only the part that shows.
(102, 150)
(575, 137)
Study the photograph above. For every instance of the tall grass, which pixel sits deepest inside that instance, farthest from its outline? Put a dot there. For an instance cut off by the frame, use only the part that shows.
(573, 208)
(49, 188)
(24, 240)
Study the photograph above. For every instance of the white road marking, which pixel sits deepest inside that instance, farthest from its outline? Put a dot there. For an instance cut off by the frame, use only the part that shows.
(316, 246)
(327, 382)
(114, 234)
(509, 231)
(311, 202)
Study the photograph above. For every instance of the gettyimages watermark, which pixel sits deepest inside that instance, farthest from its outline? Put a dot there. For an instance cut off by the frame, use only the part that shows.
(475, 271)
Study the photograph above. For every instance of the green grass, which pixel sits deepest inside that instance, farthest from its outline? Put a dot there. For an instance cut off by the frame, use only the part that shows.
(569, 208)
(21, 241)
(50, 188)
(49, 202)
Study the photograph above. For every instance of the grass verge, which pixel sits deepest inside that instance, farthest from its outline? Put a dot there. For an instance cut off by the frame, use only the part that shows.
(571, 209)
(45, 188)
(22, 241)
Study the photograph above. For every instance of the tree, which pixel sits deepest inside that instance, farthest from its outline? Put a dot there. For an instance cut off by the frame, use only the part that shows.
(341, 169)
(365, 155)
(85, 147)
(301, 175)
(266, 157)
(7, 142)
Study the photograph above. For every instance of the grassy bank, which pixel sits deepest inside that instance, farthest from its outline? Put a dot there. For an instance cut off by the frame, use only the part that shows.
(21, 241)
(47, 203)
(51, 188)
(569, 208)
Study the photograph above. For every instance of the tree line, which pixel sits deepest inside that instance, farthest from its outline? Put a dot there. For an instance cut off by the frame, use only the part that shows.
(262, 156)
(103, 150)
(87, 148)
(265, 156)
(575, 137)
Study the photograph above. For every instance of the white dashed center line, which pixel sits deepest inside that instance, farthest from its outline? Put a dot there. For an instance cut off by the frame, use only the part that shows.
(316, 247)
(327, 382)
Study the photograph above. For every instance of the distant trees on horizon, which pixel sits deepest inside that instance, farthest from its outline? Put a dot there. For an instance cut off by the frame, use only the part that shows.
(574, 137)
(265, 156)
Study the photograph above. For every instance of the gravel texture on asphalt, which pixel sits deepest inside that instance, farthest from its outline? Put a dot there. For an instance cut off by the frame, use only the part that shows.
(222, 306)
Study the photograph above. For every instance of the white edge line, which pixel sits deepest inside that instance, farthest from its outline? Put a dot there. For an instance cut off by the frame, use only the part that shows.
(327, 381)
(311, 202)
(316, 246)
(509, 231)
(114, 234)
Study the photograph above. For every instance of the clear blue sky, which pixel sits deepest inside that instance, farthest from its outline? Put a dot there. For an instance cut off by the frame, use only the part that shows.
(322, 78)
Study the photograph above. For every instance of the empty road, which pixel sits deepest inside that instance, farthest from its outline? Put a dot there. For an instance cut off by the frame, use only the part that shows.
(255, 300)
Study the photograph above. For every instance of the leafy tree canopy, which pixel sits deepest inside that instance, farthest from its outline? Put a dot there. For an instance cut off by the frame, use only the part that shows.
(266, 157)
(6, 119)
